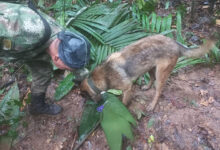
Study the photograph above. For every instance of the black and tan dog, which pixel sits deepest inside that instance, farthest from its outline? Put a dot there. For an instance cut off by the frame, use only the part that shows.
(155, 54)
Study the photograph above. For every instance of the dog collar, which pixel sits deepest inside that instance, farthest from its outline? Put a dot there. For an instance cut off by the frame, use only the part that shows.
(92, 85)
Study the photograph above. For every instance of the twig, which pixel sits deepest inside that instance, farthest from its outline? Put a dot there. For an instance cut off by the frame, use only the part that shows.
(74, 140)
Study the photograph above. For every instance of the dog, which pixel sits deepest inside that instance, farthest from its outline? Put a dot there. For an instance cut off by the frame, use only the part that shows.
(156, 54)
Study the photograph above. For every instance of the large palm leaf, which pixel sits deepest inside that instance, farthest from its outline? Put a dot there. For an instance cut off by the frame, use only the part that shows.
(109, 27)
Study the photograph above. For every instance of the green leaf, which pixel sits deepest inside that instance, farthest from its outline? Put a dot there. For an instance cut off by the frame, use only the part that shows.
(150, 139)
(158, 24)
(114, 127)
(64, 86)
(147, 23)
(167, 32)
(150, 122)
(119, 29)
(116, 121)
(89, 119)
(146, 78)
(167, 5)
(92, 24)
(29, 77)
(179, 28)
(183, 62)
(153, 22)
(115, 92)
(163, 25)
(2, 91)
(143, 19)
(168, 25)
(109, 27)
(118, 107)
(129, 148)
(41, 4)
(89, 30)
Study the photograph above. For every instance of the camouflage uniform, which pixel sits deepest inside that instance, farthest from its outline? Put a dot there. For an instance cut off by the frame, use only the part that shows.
(21, 28)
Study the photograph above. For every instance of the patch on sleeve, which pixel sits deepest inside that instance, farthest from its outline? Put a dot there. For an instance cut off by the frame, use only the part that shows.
(6, 44)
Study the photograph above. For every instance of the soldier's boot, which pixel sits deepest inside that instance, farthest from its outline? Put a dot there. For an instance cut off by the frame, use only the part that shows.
(38, 105)
(81, 74)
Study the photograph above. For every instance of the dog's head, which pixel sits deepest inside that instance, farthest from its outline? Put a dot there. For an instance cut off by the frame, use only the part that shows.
(86, 87)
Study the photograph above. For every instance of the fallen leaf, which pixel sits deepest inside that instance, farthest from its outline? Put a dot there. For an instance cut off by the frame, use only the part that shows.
(204, 102)
(177, 104)
(26, 97)
(218, 22)
(205, 7)
(162, 146)
(211, 100)
(151, 139)
(196, 85)
(48, 141)
(203, 92)
(212, 73)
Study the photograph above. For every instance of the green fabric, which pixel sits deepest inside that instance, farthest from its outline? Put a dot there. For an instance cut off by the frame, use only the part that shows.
(42, 71)
(20, 30)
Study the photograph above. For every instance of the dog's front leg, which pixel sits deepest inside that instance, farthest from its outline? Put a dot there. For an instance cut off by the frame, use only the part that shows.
(126, 96)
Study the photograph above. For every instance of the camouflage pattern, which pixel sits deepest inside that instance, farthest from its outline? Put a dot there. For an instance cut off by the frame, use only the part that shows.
(42, 71)
(20, 30)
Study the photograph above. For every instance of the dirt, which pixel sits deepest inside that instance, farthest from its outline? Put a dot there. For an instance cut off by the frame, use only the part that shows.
(186, 117)
(52, 132)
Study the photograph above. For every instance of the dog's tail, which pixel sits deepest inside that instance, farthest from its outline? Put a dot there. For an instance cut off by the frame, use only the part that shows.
(197, 52)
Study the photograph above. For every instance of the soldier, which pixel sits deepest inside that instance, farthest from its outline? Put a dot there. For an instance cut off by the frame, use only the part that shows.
(32, 38)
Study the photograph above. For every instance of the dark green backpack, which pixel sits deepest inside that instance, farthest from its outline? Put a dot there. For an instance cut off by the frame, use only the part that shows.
(23, 31)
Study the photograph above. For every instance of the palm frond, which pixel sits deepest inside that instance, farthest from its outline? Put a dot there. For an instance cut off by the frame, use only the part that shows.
(99, 53)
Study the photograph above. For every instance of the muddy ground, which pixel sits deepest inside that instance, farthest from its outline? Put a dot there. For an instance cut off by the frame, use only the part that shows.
(187, 117)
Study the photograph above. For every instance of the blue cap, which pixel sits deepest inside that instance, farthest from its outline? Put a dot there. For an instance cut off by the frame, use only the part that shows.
(74, 49)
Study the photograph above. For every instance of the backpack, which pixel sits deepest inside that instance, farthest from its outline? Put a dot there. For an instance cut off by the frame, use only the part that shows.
(23, 31)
